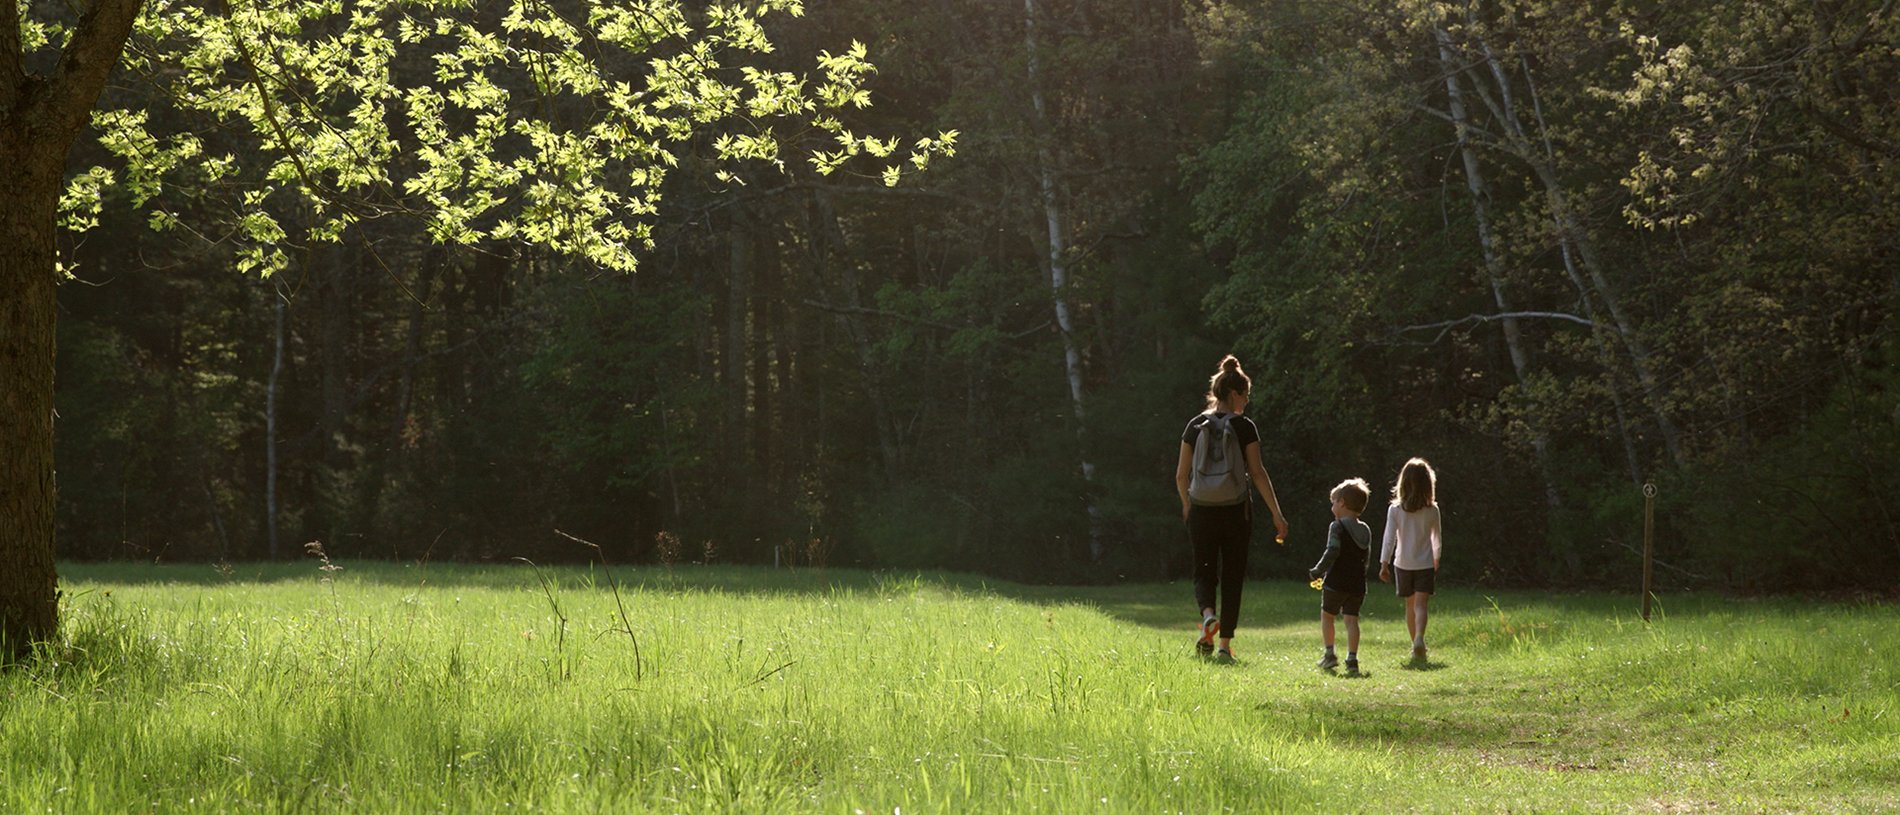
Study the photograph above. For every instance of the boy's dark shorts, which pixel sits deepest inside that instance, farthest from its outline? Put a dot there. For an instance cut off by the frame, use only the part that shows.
(1339, 603)
(1410, 581)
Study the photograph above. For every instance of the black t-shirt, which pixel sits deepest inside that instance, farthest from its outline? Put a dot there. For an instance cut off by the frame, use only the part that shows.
(1244, 430)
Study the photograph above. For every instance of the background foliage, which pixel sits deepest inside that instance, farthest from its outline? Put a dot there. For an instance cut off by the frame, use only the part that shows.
(1691, 210)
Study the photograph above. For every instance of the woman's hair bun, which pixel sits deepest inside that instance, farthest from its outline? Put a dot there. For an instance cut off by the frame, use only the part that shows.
(1227, 382)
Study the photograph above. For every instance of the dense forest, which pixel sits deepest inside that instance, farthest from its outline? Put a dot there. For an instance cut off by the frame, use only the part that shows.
(1560, 249)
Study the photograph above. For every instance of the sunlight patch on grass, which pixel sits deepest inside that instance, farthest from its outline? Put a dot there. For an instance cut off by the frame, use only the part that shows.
(400, 689)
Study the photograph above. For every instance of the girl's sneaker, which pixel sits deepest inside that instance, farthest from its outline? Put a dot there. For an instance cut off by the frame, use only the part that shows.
(1224, 656)
(1210, 626)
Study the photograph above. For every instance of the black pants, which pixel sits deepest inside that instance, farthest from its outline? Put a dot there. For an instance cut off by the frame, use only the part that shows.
(1220, 536)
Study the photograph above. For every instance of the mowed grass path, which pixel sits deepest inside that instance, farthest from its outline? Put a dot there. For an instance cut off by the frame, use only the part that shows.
(457, 688)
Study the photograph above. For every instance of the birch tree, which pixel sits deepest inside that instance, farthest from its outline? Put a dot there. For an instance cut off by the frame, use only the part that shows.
(1056, 258)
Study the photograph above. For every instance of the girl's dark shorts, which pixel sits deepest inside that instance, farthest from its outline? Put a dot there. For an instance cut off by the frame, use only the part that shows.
(1339, 603)
(1411, 581)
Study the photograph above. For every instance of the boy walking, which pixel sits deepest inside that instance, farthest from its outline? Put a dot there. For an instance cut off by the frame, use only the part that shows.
(1343, 566)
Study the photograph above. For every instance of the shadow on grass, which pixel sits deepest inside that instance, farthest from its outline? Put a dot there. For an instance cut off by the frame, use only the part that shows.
(1363, 719)
(1165, 607)
(512, 575)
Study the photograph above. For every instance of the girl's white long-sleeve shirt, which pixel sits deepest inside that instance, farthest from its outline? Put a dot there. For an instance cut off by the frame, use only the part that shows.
(1412, 539)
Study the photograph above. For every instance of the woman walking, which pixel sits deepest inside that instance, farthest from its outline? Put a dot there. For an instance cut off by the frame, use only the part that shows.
(1219, 463)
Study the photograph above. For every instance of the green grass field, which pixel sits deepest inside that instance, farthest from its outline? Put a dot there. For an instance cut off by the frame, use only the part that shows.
(459, 689)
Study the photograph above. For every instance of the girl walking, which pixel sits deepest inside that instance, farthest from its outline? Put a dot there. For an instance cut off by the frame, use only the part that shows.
(1414, 535)
(1219, 461)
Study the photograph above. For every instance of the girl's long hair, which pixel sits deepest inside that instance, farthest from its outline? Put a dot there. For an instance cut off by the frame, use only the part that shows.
(1225, 382)
(1417, 486)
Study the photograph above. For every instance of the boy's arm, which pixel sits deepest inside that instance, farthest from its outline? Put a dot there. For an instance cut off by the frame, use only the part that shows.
(1325, 563)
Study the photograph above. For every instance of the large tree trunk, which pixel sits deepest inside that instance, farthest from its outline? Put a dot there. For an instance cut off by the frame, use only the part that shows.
(39, 119)
(29, 606)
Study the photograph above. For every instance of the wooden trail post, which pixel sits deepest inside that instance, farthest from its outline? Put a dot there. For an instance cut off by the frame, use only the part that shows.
(1649, 542)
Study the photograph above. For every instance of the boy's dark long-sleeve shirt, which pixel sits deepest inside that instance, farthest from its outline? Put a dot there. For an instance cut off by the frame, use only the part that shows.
(1344, 562)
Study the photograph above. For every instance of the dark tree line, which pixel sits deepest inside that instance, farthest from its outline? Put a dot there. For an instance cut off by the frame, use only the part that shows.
(1559, 249)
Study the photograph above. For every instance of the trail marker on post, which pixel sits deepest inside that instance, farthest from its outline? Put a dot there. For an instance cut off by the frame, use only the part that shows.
(1649, 542)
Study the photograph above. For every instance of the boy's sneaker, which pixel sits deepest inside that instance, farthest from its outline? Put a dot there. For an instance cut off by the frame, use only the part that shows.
(1352, 665)
(1418, 654)
(1328, 662)
(1224, 656)
(1209, 627)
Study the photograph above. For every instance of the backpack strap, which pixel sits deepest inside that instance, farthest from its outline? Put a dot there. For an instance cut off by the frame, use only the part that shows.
(1246, 473)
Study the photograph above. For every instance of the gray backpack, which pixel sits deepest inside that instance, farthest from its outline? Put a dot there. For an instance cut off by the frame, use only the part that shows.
(1220, 471)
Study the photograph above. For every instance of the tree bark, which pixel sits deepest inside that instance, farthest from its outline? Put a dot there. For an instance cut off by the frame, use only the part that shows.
(40, 117)
(412, 347)
(1572, 233)
(1493, 269)
(828, 237)
(333, 269)
(270, 424)
(29, 605)
(733, 356)
(1573, 236)
(759, 351)
(1057, 259)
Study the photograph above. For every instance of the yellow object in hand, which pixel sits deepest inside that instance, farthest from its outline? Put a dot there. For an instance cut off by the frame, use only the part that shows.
(1318, 582)
(1279, 539)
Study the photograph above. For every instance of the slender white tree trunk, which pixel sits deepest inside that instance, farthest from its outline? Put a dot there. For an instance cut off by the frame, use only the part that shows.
(1573, 237)
(1573, 234)
(1058, 261)
(1493, 268)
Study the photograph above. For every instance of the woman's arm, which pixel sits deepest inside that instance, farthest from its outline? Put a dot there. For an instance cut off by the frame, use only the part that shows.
(1265, 485)
(1181, 474)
